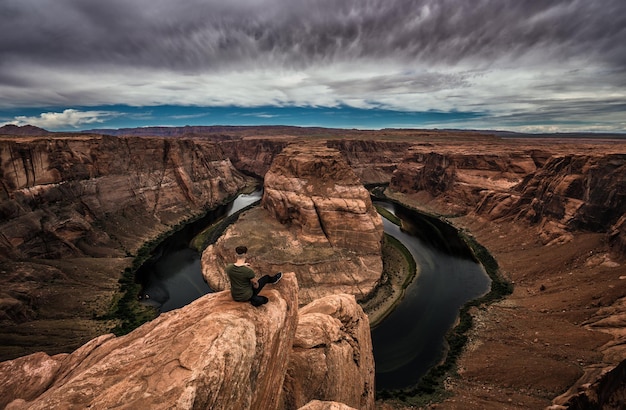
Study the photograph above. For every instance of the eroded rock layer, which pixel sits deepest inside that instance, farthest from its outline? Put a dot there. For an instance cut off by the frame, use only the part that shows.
(554, 218)
(316, 219)
(332, 355)
(313, 188)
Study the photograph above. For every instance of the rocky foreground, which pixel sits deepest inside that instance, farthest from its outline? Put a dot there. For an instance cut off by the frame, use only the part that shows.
(212, 354)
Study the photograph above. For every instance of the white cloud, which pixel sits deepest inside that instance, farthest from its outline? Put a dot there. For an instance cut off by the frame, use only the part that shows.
(67, 118)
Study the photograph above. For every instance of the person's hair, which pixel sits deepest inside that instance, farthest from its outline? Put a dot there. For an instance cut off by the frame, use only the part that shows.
(241, 250)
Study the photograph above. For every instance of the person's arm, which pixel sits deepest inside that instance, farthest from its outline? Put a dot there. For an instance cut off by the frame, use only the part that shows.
(255, 282)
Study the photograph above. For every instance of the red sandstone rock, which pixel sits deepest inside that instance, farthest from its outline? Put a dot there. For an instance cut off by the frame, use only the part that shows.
(332, 356)
(214, 353)
(312, 187)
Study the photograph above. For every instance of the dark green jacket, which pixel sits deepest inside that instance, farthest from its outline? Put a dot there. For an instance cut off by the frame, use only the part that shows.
(240, 285)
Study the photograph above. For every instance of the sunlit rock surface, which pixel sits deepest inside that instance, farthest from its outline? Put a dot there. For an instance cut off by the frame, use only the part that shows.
(332, 355)
(212, 354)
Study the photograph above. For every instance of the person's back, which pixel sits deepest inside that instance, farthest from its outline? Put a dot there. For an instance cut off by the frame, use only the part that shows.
(243, 284)
(240, 286)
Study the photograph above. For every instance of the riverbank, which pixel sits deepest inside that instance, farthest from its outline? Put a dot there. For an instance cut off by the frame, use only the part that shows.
(399, 270)
(532, 346)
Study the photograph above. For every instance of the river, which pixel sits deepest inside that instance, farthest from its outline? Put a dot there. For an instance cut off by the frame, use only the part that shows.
(408, 342)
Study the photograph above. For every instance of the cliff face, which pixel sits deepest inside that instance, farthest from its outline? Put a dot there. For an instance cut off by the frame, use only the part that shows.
(458, 180)
(316, 220)
(254, 155)
(555, 220)
(313, 188)
(74, 210)
(558, 194)
(372, 161)
(89, 195)
(214, 353)
(569, 193)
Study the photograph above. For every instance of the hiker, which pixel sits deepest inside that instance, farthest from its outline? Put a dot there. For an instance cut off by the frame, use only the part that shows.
(243, 284)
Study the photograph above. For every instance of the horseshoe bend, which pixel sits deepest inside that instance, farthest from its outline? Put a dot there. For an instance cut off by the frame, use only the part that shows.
(80, 212)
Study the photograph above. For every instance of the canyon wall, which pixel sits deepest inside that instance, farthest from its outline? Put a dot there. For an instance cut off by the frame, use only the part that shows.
(315, 219)
(74, 210)
(214, 353)
(559, 193)
(372, 161)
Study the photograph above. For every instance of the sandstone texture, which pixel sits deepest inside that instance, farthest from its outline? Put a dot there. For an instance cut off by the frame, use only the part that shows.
(74, 210)
(553, 216)
(332, 355)
(316, 219)
(214, 353)
(313, 188)
(373, 161)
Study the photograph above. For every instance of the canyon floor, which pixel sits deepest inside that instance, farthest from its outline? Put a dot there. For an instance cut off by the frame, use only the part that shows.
(534, 345)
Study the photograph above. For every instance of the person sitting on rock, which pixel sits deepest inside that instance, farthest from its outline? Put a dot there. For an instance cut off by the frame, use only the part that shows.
(243, 283)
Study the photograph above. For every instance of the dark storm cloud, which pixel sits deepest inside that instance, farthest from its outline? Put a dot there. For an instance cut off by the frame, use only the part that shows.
(508, 60)
(197, 35)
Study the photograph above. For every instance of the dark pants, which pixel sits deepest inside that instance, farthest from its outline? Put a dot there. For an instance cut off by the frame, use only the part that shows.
(257, 300)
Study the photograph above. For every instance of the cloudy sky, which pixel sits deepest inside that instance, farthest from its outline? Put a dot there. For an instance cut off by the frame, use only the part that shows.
(522, 65)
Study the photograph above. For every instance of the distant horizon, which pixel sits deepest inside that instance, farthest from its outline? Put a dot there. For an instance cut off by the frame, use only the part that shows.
(495, 132)
(120, 117)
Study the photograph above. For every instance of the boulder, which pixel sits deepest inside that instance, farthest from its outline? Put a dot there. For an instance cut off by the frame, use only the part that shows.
(332, 356)
(214, 353)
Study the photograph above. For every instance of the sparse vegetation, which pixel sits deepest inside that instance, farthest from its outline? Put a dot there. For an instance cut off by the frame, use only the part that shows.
(399, 269)
(215, 230)
(388, 215)
(430, 388)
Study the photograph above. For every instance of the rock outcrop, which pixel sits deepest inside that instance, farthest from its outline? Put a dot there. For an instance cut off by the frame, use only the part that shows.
(313, 188)
(316, 219)
(214, 353)
(331, 358)
(458, 181)
(75, 209)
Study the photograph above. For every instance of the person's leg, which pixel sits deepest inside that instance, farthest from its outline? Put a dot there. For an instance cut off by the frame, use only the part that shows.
(263, 280)
(258, 300)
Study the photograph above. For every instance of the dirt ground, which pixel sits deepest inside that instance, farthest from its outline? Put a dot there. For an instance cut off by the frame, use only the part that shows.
(531, 347)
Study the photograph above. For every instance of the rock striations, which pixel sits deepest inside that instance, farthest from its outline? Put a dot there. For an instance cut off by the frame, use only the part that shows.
(313, 188)
(316, 219)
(214, 353)
(74, 210)
(95, 196)
(558, 193)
